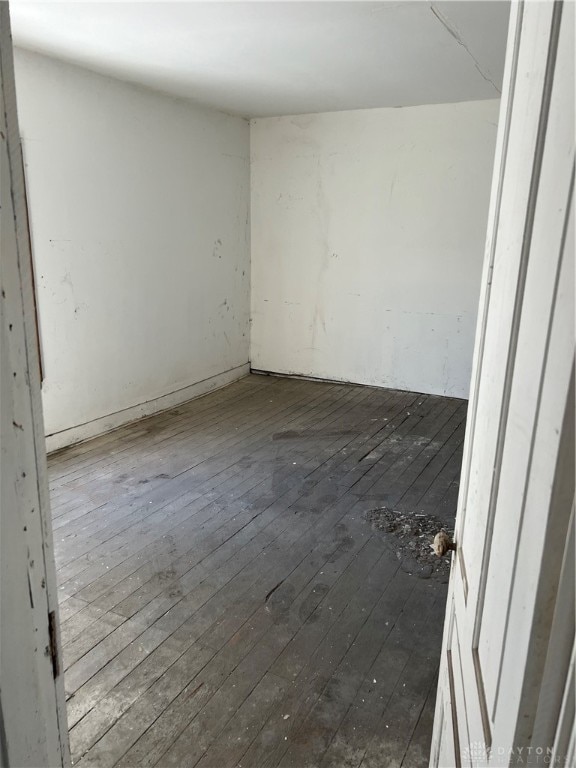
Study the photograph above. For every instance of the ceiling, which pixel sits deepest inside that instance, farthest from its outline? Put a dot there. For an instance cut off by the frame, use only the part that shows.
(281, 58)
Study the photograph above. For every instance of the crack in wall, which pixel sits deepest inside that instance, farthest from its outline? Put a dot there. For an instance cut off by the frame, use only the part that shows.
(457, 36)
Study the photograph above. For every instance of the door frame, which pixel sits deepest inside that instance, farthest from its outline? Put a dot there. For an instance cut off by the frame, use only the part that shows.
(33, 725)
(544, 543)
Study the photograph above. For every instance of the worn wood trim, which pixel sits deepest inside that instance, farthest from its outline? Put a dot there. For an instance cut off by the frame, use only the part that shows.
(505, 120)
(33, 709)
(33, 270)
(518, 307)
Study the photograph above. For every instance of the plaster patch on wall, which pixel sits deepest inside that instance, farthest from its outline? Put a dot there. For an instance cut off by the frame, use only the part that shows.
(367, 250)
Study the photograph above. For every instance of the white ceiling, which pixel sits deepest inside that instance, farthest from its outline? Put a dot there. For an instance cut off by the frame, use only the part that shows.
(281, 58)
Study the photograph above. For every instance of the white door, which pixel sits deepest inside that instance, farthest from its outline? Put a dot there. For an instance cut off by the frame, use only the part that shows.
(517, 486)
(32, 707)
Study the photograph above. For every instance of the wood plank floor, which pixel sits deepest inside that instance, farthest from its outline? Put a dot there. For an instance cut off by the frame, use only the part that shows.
(224, 602)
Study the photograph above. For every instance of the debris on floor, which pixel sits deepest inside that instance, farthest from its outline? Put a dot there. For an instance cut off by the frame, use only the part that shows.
(410, 535)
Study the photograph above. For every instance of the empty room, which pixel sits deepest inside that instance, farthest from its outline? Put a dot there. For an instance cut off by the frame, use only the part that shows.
(287, 317)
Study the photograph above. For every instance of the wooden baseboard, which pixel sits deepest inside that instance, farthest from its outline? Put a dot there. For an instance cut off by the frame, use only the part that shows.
(108, 423)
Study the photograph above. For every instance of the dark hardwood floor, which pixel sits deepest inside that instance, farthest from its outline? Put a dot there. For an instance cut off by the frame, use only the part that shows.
(224, 601)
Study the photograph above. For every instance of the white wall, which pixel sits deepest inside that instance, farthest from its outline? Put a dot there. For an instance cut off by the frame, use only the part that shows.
(140, 225)
(368, 232)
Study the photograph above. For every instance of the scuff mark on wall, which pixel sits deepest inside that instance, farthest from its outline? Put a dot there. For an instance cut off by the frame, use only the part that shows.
(323, 216)
(393, 184)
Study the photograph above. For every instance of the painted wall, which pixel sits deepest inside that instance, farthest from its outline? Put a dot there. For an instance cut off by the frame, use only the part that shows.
(368, 232)
(140, 226)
